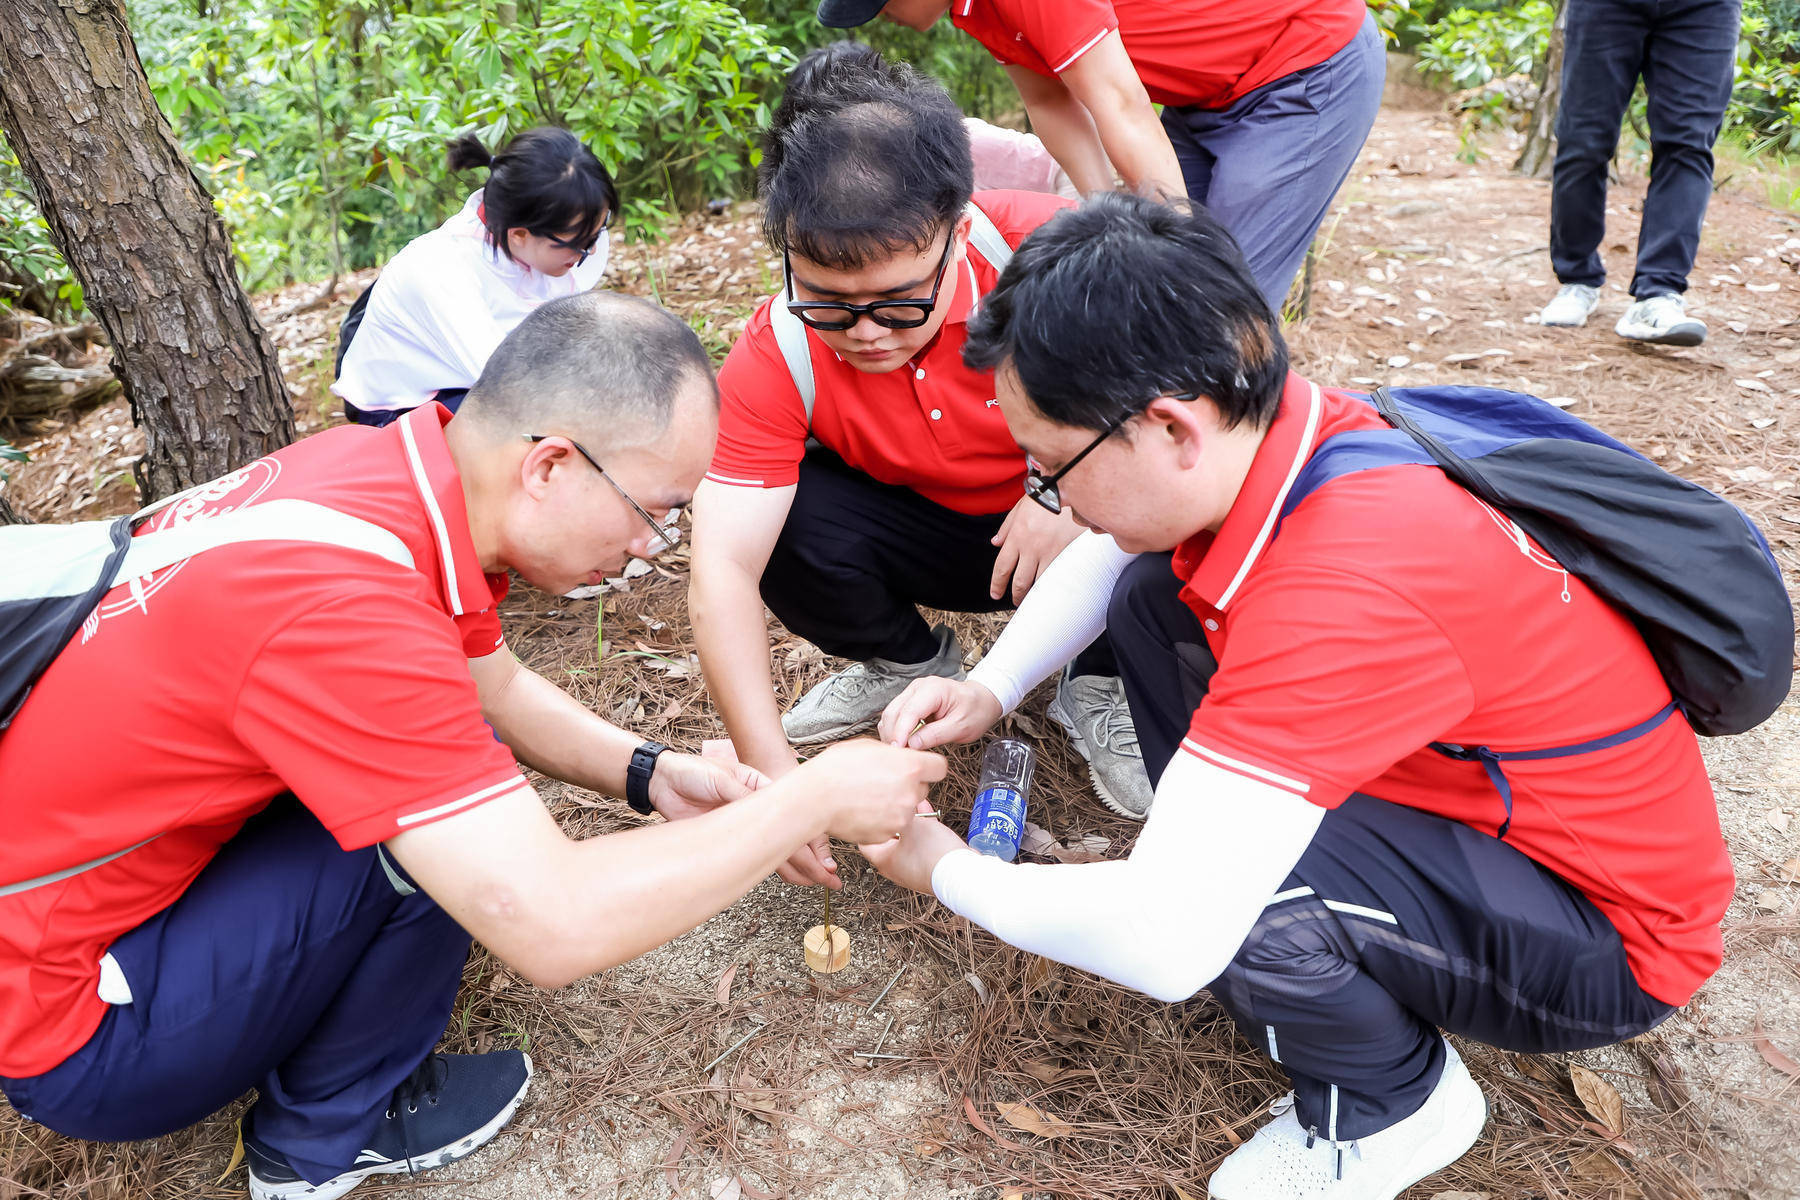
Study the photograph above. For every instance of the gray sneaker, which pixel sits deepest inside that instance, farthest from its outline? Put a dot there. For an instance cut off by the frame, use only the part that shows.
(1092, 711)
(1570, 306)
(1662, 319)
(851, 701)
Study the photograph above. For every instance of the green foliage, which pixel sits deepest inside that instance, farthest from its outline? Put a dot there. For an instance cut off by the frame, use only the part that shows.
(1469, 45)
(320, 124)
(33, 274)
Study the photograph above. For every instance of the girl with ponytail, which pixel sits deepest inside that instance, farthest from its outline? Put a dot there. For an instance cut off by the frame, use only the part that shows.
(536, 231)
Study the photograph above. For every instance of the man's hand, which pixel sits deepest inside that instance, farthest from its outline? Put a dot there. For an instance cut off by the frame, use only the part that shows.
(1029, 538)
(951, 710)
(910, 859)
(873, 790)
(685, 785)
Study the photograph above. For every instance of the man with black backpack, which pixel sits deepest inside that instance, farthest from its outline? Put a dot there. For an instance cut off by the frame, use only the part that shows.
(1413, 771)
(862, 469)
(253, 813)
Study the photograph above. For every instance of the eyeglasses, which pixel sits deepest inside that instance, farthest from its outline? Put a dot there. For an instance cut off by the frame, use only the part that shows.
(834, 317)
(584, 250)
(1042, 488)
(667, 536)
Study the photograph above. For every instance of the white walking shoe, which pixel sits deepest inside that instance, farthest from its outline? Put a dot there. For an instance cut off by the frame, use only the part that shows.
(1285, 1162)
(1662, 319)
(1570, 306)
(851, 701)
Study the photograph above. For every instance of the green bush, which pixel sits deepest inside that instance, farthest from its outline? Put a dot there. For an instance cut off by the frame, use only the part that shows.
(33, 274)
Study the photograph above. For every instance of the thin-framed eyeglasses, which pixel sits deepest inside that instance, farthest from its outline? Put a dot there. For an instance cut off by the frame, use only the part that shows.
(667, 535)
(1042, 488)
(837, 316)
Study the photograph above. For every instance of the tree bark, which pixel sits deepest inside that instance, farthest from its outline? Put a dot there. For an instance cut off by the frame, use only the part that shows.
(10, 515)
(1539, 154)
(140, 233)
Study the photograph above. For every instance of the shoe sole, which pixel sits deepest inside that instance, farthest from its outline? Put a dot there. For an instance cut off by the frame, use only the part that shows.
(1543, 324)
(1054, 711)
(1677, 336)
(337, 1186)
(833, 735)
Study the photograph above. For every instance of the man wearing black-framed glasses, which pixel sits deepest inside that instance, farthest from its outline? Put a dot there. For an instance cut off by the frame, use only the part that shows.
(863, 471)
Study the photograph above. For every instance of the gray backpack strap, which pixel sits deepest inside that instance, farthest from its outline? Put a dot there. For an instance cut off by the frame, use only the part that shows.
(289, 520)
(790, 335)
(987, 239)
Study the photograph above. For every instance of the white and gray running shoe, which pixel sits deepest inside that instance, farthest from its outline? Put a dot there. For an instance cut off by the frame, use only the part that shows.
(1570, 306)
(1092, 711)
(851, 701)
(1662, 319)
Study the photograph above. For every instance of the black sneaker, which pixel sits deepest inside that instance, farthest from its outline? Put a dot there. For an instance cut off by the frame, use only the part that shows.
(449, 1107)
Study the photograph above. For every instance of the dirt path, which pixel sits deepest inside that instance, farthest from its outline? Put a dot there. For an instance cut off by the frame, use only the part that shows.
(1432, 270)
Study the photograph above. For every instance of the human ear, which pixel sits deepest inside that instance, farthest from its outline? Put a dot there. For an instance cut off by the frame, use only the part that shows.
(1178, 421)
(536, 467)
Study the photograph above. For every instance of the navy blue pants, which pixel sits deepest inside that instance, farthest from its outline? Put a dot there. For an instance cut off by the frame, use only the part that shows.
(319, 978)
(857, 558)
(1395, 923)
(1269, 164)
(1686, 53)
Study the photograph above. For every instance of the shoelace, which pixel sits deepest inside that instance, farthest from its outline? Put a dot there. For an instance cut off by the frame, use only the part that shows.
(423, 1086)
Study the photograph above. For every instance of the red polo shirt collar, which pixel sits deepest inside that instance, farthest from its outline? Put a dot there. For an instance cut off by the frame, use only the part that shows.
(1215, 566)
(465, 588)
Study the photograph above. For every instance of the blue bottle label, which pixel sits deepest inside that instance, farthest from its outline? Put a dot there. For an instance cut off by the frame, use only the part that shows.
(999, 810)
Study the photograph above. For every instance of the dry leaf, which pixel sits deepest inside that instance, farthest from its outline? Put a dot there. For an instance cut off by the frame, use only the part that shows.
(1047, 1073)
(927, 1149)
(1035, 841)
(1772, 1056)
(1790, 870)
(729, 1187)
(1599, 1098)
(1462, 1196)
(1037, 973)
(1752, 385)
(1667, 1090)
(984, 1127)
(1779, 819)
(1181, 1193)
(1771, 900)
(724, 992)
(1029, 1118)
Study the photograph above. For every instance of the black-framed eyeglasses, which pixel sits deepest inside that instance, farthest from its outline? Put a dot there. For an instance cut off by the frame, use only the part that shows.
(835, 316)
(668, 534)
(1042, 488)
(585, 250)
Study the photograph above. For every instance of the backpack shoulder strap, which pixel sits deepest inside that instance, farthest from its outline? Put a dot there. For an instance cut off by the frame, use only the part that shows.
(290, 520)
(790, 336)
(987, 239)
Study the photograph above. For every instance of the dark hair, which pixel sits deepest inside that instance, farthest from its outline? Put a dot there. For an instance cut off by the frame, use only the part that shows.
(603, 366)
(544, 181)
(1107, 306)
(862, 158)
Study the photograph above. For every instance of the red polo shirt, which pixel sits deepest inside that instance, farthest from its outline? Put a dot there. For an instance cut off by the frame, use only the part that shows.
(1189, 53)
(932, 425)
(204, 690)
(1395, 609)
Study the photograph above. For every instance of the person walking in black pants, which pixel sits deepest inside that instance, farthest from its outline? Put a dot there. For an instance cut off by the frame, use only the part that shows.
(1686, 53)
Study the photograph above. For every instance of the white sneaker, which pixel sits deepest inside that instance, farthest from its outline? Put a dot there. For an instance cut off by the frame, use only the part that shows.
(1662, 319)
(1285, 1162)
(851, 701)
(1570, 306)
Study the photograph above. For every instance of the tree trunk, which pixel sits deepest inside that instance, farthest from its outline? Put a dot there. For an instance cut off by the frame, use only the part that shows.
(1539, 154)
(140, 233)
(8, 514)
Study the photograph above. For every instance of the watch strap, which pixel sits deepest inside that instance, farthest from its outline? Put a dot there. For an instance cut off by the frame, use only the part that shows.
(637, 777)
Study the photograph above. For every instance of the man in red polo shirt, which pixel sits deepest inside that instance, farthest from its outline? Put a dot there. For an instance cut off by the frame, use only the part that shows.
(912, 492)
(253, 814)
(1342, 888)
(1266, 103)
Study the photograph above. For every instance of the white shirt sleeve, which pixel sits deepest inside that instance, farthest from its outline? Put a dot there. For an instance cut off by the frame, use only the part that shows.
(1168, 919)
(1064, 611)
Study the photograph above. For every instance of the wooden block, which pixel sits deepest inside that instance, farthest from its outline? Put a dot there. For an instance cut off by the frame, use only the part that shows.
(827, 953)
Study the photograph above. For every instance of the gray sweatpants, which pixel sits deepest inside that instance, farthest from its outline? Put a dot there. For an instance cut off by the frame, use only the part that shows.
(1269, 165)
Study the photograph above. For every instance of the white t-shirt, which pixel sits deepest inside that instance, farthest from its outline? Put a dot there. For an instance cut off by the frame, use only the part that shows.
(440, 307)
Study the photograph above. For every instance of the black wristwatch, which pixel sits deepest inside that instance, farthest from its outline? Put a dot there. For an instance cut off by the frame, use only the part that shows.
(637, 776)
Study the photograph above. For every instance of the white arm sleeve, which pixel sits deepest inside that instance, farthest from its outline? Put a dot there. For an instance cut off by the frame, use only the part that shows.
(1064, 611)
(1167, 920)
